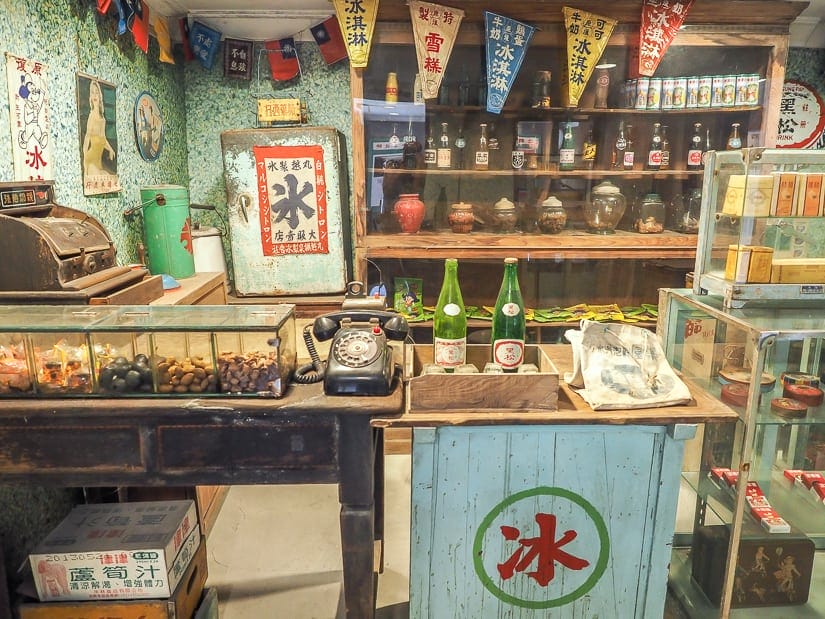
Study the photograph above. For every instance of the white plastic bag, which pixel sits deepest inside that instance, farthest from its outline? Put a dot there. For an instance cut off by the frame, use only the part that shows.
(618, 366)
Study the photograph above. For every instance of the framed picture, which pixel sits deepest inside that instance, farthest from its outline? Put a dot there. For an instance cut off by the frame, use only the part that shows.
(97, 121)
(148, 127)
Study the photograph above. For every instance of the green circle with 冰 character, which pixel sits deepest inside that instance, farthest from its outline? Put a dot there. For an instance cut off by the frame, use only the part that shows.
(597, 572)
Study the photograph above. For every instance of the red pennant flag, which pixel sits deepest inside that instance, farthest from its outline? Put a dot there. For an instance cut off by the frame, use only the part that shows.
(661, 20)
(330, 41)
(140, 27)
(103, 6)
(283, 59)
(188, 55)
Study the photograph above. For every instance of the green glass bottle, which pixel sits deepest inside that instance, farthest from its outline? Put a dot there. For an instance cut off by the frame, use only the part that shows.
(508, 321)
(450, 321)
(567, 152)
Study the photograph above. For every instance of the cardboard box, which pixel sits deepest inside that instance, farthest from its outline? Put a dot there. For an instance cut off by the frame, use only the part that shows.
(698, 350)
(117, 551)
(749, 264)
(748, 195)
(798, 271)
(783, 196)
(180, 605)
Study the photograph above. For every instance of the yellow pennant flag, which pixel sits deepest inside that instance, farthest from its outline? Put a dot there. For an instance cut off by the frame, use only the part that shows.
(164, 40)
(434, 31)
(587, 36)
(357, 21)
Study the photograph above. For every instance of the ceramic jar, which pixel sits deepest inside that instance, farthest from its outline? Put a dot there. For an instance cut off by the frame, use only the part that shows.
(461, 217)
(505, 216)
(409, 211)
(552, 217)
(604, 208)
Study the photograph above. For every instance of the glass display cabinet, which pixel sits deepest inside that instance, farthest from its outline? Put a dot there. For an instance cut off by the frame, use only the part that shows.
(756, 548)
(762, 228)
(146, 350)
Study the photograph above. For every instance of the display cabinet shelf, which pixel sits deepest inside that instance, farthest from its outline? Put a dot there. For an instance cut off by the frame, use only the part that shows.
(552, 173)
(538, 113)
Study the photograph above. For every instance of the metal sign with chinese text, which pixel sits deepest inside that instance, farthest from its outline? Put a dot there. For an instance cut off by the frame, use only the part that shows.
(434, 31)
(661, 20)
(357, 21)
(293, 199)
(587, 36)
(801, 116)
(280, 111)
(507, 41)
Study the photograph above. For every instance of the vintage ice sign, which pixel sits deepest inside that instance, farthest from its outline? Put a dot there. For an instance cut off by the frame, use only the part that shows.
(801, 116)
(661, 20)
(587, 36)
(434, 31)
(541, 548)
(293, 199)
(507, 41)
(357, 21)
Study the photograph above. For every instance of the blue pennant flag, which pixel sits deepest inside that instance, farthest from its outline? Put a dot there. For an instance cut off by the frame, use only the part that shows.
(507, 41)
(204, 43)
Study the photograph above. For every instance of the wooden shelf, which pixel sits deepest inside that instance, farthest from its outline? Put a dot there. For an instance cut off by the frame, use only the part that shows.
(568, 244)
(478, 323)
(528, 113)
(594, 174)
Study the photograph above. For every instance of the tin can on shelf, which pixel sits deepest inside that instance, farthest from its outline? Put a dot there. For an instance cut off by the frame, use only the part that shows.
(704, 90)
(747, 89)
(716, 88)
(668, 84)
(679, 92)
(654, 93)
(692, 93)
(642, 85)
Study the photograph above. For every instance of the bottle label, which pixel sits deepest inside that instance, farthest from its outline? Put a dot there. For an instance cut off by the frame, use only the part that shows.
(482, 158)
(665, 158)
(460, 142)
(567, 156)
(628, 159)
(510, 309)
(450, 353)
(694, 157)
(452, 309)
(429, 156)
(621, 144)
(443, 157)
(589, 153)
(654, 158)
(509, 354)
(518, 159)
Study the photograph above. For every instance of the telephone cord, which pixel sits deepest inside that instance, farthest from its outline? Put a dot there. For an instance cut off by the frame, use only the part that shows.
(312, 372)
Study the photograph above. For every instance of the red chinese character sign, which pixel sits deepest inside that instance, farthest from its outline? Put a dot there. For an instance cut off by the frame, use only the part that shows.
(587, 36)
(357, 21)
(434, 30)
(507, 41)
(30, 126)
(801, 116)
(541, 548)
(661, 20)
(293, 199)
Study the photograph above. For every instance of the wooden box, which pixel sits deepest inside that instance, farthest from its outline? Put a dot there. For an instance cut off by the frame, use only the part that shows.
(480, 392)
(181, 605)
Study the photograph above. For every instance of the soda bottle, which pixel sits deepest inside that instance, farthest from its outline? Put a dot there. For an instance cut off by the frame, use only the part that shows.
(450, 321)
(629, 152)
(589, 151)
(444, 153)
(694, 156)
(707, 149)
(508, 321)
(460, 147)
(482, 158)
(567, 152)
(654, 154)
(430, 153)
(665, 150)
(734, 141)
(619, 147)
(493, 148)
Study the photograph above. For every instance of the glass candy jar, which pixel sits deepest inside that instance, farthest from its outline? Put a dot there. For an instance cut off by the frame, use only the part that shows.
(505, 216)
(685, 210)
(649, 218)
(461, 217)
(552, 217)
(604, 208)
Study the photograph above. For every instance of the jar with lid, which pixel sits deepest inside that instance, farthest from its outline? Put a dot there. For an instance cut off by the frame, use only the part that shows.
(505, 216)
(552, 217)
(650, 216)
(461, 217)
(604, 208)
(685, 210)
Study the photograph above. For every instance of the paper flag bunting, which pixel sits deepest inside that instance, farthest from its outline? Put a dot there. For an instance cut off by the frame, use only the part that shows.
(357, 21)
(330, 41)
(507, 41)
(434, 31)
(204, 41)
(164, 40)
(283, 59)
(661, 20)
(587, 36)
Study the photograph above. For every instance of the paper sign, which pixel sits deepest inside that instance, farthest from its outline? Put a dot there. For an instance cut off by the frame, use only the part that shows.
(587, 36)
(661, 20)
(802, 116)
(30, 124)
(434, 31)
(507, 41)
(357, 21)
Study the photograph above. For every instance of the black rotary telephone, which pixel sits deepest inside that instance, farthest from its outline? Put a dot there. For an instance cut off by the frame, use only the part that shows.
(360, 358)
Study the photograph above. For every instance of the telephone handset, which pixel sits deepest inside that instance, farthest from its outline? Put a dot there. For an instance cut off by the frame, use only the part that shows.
(360, 359)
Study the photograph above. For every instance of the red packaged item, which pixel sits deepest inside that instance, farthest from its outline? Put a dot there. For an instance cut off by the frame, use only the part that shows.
(788, 407)
(735, 394)
(807, 394)
(775, 524)
(752, 489)
(730, 478)
(717, 476)
(818, 490)
(791, 475)
(810, 478)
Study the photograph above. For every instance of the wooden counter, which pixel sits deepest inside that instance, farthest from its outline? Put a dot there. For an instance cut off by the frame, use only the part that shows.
(200, 289)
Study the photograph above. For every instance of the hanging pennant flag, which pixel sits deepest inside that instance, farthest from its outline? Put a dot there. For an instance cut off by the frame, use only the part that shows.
(103, 6)
(330, 41)
(121, 16)
(140, 26)
(183, 24)
(164, 40)
(661, 20)
(204, 41)
(507, 41)
(237, 59)
(434, 31)
(587, 36)
(357, 21)
(283, 59)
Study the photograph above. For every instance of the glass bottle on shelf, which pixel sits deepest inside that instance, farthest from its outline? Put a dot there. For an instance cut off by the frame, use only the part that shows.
(508, 321)
(517, 155)
(589, 151)
(464, 88)
(654, 153)
(412, 154)
(430, 152)
(444, 92)
(391, 89)
(708, 147)
(444, 153)
(450, 321)
(482, 156)
(567, 152)
(493, 148)
(629, 152)
(418, 91)
(665, 150)
(460, 149)
(694, 153)
(619, 148)
(734, 141)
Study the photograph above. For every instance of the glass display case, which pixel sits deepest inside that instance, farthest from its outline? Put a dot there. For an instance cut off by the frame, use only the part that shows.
(762, 227)
(759, 516)
(56, 351)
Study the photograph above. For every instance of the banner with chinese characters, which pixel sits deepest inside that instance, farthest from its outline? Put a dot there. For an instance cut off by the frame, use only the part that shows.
(587, 36)
(507, 41)
(357, 21)
(31, 146)
(661, 20)
(434, 30)
(292, 196)
(237, 58)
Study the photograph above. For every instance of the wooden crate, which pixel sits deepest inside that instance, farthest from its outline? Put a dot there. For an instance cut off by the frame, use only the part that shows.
(480, 392)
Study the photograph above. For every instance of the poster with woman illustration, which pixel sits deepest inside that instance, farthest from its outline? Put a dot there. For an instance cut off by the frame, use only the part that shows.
(97, 121)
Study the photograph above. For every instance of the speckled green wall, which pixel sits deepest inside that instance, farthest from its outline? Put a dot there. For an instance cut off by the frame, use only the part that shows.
(70, 36)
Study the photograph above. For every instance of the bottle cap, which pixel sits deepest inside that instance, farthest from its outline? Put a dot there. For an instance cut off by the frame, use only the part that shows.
(510, 260)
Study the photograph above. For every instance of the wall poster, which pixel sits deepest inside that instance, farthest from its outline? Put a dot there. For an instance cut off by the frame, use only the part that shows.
(97, 123)
(29, 119)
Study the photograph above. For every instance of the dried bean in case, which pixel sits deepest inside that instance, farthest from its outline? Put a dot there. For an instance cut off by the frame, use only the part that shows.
(187, 375)
(251, 372)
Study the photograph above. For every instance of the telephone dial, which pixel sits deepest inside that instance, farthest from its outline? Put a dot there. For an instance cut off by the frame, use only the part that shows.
(360, 358)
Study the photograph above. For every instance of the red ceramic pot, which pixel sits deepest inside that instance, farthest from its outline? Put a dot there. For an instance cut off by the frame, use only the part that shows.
(409, 211)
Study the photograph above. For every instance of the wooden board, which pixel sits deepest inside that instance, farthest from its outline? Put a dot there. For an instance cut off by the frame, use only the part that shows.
(200, 289)
(141, 293)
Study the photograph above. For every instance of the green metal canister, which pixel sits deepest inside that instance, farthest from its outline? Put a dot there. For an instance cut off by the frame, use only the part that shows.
(168, 230)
